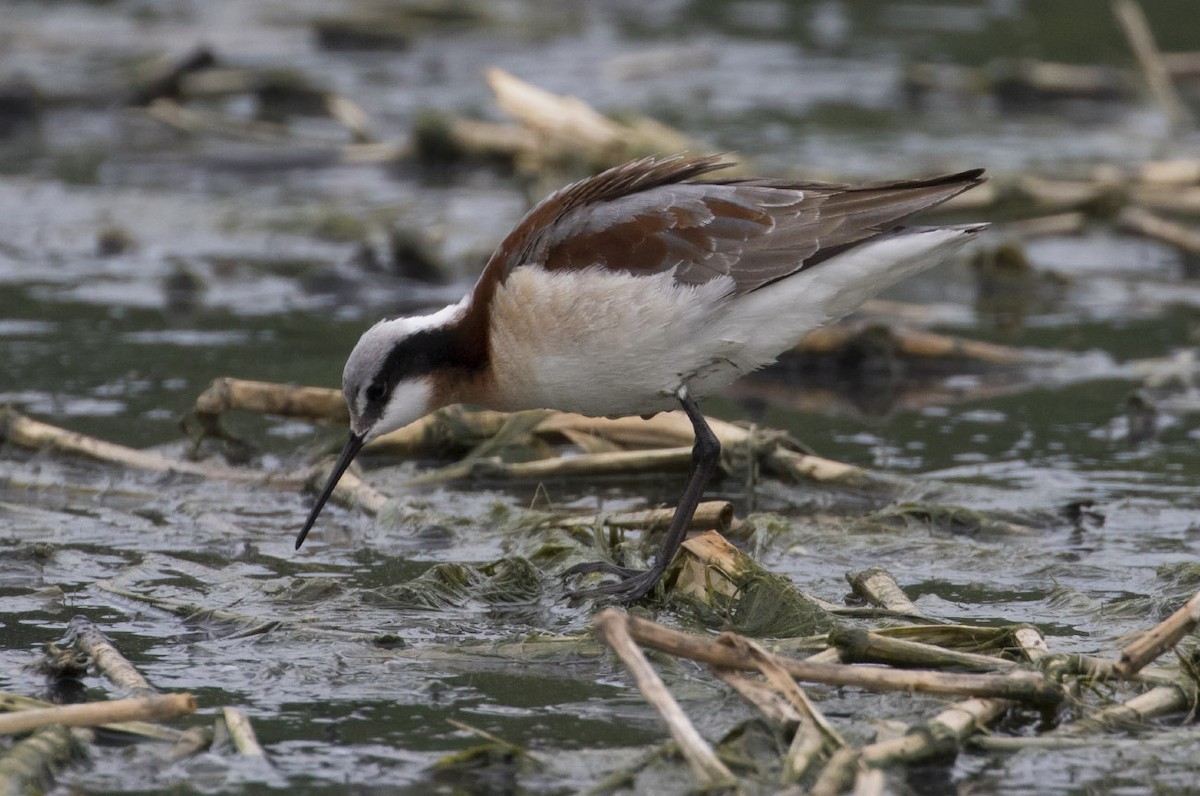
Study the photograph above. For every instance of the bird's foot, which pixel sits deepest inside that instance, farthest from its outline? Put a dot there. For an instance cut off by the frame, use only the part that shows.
(631, 586)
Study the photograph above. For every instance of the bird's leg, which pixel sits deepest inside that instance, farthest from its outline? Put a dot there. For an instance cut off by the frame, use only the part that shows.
(635, 584)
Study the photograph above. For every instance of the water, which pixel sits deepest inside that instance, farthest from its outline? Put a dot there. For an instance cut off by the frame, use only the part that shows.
(239, 266)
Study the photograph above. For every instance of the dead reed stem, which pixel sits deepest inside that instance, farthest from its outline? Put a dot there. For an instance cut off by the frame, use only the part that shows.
(878, 587)
(945, 732)
(149, 708)
(611, 628)
(29, 764)
(28, 433)
(1019, 686)
(286, 400)
(1137, 30)
(1154, 642)
(242, 733)
(109, 660)
(710, 515)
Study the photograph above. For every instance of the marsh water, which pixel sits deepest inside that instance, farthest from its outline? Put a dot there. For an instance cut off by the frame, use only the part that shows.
(139, 262)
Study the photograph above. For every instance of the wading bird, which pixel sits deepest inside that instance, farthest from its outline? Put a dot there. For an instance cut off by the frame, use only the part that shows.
(641, 288)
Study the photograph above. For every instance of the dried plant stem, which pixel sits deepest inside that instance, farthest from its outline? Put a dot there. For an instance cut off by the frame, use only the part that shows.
(151, 708)
(567, 125)
(839, 773)
(1143, 222)
(1154, 642)
(29, 764)
(25, 432)
(664, 430)
(109, 660)
(311, 403)
(1032, 644)
(1133, 22)
(143, 729)
(814, 734)
(241, 733)
(912, 343)
(611, 628)
(191, 741)
(1044, 226)
(869, 782)
(711, 514)
(1020, 686)
(450, 429)
(350, 490)
(592, 464)
(805, 749)
(945, 731)
(807, 467)
(856, 645)
(877, 586)
(1136, 712)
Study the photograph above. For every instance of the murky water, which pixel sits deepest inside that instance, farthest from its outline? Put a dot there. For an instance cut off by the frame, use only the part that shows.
(239, 265)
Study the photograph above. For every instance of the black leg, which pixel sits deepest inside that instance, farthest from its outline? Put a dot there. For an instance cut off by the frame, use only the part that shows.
(635, 584)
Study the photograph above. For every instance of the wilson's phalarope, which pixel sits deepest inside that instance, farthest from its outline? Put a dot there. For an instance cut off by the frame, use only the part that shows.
(639, 289)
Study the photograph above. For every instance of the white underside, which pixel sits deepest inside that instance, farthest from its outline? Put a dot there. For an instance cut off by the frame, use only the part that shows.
(604, 343)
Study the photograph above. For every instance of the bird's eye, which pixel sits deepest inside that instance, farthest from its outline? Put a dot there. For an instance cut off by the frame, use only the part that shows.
(375, 392)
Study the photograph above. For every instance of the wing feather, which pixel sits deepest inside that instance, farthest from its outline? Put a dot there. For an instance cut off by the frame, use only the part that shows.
(651, 216)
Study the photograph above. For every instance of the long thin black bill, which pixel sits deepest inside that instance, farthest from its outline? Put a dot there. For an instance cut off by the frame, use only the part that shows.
(353, 446)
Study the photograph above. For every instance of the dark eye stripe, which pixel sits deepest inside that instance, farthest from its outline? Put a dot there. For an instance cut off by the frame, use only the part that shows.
(423, 352)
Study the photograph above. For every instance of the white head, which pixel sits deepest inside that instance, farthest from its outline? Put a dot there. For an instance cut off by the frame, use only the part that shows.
(389, 381)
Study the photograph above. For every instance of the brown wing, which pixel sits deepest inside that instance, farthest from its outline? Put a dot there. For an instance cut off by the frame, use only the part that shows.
(643, 218)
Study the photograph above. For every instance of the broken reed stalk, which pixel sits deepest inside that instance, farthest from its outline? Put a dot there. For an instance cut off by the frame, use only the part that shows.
(782, 681)
(1137, 30)
(1135, 713)
(1068, 223)
(242, 733)
(143, 729)
(591, 464)
(450, 427)
(611, 627)
(869, 782)
(670, 429)
(877, 586)
(945, 732)
(566, 125)
(26, 432)
(108, 659)
(31, 763)
(912, 343)
(1141, 221)
(711, 514)
(349, 491)
(808, 467)
(149, 708)
(814, 734)
(666, 434)
(856, 645)
(1024, 687)
(838, 774)
(190, 742)
(286, 400)
(1167, 198)
(774, 706)
(1154, 642)
(1031, 643)
(189, 120)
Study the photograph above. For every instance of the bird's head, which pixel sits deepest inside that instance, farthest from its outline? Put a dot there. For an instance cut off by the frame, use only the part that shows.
(391, 379)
